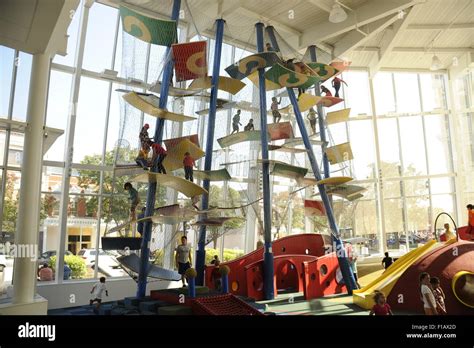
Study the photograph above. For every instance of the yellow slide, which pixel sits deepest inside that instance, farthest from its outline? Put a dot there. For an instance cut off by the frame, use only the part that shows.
(388, 279)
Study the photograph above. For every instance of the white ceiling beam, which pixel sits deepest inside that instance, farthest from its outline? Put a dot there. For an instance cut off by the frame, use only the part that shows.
(440, 26)
(389, 40)
(279, 26)
(356, 38)
(436, 50)
(369, 12)
(322, 4)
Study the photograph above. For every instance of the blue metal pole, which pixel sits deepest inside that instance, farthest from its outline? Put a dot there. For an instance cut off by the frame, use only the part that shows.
(322, 128)
(192, 287)
(151, 193)
(340, 251)
(225, 283)
(268, 272)
(211, 122)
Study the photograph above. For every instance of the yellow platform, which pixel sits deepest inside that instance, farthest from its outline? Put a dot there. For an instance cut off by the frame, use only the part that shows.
(335, 180)
(226, 84)
(177, 183)
(149, 105)
(269, 85)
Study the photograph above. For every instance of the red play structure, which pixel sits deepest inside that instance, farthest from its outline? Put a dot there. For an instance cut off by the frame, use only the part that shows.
(301, 263)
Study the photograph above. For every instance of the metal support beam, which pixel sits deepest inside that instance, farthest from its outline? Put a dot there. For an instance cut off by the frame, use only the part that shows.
(339, 248)
(321, 121)
(369, 12)
(211, 122)
(268, 272)
(151, 194)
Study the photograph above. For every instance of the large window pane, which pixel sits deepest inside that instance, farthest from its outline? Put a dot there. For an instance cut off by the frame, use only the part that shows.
(58, 111)
(15, 152)
(438, 142)
(362, 144)
(90, 123)
(22, 87)
(357, 94)
(432, 91)
(388, 143)
(413, 146)
(408, 97)
(72, 32)
(6, 63)
(383, 93)
(100, 37)
(11, 201)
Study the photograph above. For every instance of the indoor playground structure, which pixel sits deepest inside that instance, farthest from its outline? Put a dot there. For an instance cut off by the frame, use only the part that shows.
(315, 264)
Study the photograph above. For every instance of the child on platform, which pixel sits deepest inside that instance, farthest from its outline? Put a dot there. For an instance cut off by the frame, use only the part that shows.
(381, 307)
(142, 158)
(236, 122)
(145, 140)
(470, 222)
(439, 295)
(312, 119)
(336, 83)
(188, 166)
(249, 126)
(274, 107)
(327, 92)
(159, 154)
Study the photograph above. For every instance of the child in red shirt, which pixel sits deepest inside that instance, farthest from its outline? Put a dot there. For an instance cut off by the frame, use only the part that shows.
(381, 307)
(188, 166)
(159, 154)
(326, 91)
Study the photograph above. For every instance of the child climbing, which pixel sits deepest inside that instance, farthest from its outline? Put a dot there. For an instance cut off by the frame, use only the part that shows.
(312, 119)
(336, 83)
(381, 307)
(439, 295)
(133, 198)
(188, 166)
(142, 158)
(274, 107)
(327, 92)
(290, 64)
(159, 154)
(97, 290)
(145, 140)
(268, 47)
(249, 126)
(236, 122)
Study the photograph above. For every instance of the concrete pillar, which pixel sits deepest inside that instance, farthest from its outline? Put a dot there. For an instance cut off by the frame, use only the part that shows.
(24, 271)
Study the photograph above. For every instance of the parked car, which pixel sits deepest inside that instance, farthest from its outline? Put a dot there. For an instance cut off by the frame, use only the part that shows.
(108, 265)
(46, 256)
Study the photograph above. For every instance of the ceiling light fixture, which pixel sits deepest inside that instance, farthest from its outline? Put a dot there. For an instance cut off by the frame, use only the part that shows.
(337, 14)
(436, 63)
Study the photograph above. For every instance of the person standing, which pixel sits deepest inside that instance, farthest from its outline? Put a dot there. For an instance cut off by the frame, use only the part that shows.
(183, 258)
(447, 232)
(274, 107)
(427, 296)
(336, 83)
(133, 198)
(159, 154)
(145, 140)
(470, 220)
(439, 295)
(236, 122)
(312, 119)
(188, 166)
(387, 260)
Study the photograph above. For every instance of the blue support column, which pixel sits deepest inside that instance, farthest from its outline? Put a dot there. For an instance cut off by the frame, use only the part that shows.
(340, 251)
(268, 272)
(211, 122)
(322, 128)
(151, 193)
